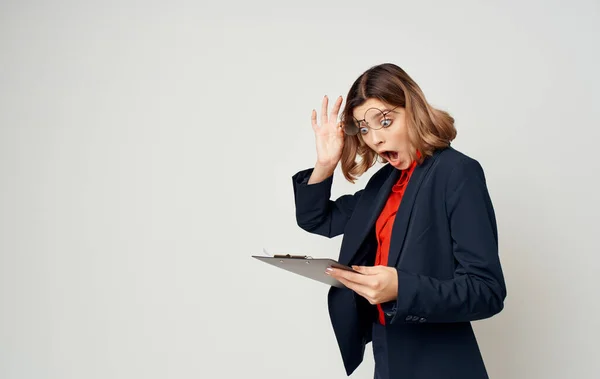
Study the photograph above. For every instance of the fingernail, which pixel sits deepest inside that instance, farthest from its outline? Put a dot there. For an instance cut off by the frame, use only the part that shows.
(328, 270)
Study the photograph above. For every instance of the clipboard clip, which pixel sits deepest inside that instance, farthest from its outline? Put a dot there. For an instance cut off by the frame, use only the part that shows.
(292, 256)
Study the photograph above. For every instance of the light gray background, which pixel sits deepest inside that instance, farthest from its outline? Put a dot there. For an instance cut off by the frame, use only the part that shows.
(147, 149)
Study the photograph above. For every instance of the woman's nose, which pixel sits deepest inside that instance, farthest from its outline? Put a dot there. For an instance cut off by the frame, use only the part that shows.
(376, 137)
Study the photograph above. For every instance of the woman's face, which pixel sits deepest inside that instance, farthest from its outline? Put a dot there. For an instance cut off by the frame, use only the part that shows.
(390, 140)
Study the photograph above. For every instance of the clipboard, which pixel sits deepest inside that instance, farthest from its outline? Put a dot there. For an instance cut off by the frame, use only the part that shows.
(307, 266)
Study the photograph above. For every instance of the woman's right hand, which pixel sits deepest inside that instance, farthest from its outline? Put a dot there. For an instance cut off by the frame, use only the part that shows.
(329, 136)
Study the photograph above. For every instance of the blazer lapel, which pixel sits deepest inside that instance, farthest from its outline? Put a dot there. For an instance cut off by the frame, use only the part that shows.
(404, 211)
(364, 218)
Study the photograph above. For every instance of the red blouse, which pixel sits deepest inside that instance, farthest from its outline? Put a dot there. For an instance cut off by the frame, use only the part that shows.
(386, 221)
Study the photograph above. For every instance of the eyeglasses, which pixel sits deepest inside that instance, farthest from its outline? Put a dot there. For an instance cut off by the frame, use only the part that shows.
(374, 118)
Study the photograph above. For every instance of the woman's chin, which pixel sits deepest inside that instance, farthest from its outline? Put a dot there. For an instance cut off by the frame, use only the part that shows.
(399, 164)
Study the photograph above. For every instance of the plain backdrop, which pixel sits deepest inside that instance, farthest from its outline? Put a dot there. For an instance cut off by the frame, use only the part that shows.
(147, 150)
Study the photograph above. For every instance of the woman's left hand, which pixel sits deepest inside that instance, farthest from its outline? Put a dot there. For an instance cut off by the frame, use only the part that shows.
(377, 284)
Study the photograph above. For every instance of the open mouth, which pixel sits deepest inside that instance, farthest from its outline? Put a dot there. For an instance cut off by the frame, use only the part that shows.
(391, 156)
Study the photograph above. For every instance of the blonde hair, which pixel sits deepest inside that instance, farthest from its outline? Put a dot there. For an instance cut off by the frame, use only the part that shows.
(429, 129)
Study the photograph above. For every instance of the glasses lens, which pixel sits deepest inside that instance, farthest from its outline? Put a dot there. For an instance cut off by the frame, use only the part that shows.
(375, 118)
(351, 128)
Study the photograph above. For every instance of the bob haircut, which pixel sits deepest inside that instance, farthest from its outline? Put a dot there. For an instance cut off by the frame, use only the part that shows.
(429, 129)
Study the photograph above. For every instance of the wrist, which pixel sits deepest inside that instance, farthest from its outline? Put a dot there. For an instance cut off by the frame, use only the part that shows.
(320, 173)
(325, 167)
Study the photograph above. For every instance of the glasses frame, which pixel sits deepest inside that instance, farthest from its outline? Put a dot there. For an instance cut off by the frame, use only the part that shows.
(357, 122)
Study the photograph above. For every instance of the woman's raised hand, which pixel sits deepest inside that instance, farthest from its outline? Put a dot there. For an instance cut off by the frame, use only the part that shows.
(329, 135)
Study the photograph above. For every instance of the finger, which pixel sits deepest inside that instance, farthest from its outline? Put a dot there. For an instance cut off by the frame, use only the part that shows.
(336, 109)
(324, 105)
(313, 119)
(367, 281)
(353, 286)
(360, 290)
(350, 276)
(368, 270)
(347, 284)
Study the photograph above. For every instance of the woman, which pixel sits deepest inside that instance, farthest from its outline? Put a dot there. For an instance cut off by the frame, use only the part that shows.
(421, 235)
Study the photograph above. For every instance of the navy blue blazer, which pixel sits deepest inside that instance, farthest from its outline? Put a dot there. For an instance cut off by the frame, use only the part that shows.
(444, 246)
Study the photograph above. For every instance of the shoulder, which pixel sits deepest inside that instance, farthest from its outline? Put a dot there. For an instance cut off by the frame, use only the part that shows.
(456, 167)
(450, 158)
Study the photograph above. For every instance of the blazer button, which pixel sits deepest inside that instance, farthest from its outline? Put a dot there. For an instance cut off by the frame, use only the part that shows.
(389, 314)
(415, 318)
(408, 318)
(422, 319)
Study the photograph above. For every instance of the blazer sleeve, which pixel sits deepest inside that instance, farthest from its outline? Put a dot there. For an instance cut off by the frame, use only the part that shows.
(315, 211)
(477, 290)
